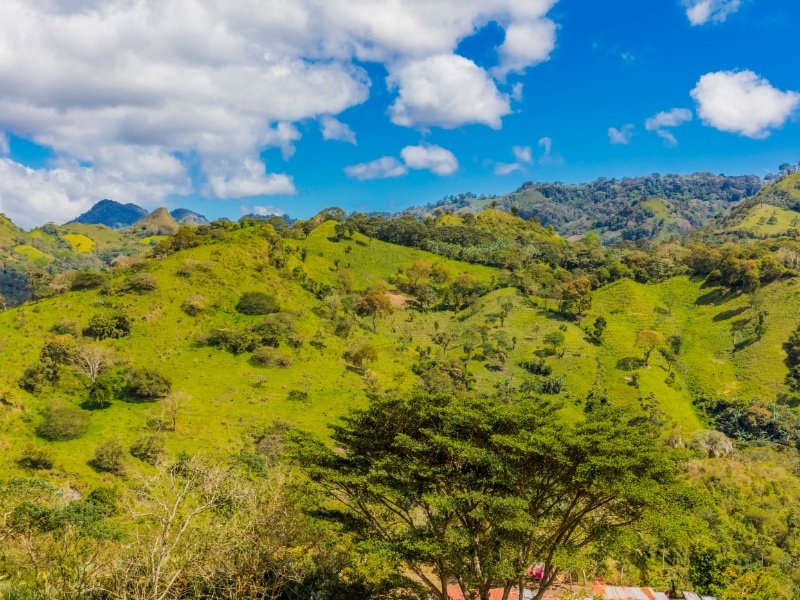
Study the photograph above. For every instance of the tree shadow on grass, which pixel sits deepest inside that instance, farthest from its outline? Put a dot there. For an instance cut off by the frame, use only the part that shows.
(630, 363)
(729, 314)
(718, 295)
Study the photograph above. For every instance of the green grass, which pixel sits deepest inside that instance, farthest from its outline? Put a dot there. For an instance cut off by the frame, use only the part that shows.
(765, 219)
(34, 255)
(229, 396)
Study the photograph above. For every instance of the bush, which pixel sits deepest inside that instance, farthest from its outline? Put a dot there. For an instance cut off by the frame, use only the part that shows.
(109, 457)
(109, 325)
(361, 352)
(194, 305)
(104, 499)
(142, 283)
(105, 389)
(65, 327)
(147, 384)
(61, 423)
(36, 459)
(268, 357)
(88, 280)
(536, 367)
(274, 328)
(35, 378)
(232, 340)
(257, 303)
(149, 449)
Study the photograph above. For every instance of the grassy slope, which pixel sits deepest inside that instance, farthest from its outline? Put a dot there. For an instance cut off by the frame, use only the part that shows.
(765, 219)
(229, 396)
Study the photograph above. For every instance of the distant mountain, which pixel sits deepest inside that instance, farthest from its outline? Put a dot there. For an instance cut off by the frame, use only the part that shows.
(184, 215)
(112, 214)
(158, 222)
(633, 208)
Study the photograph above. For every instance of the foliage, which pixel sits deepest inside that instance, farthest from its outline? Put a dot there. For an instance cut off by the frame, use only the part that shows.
(147, 384)
(257, 303)
(109, 457)
(61, 422)
(476, 490)
(109, 326)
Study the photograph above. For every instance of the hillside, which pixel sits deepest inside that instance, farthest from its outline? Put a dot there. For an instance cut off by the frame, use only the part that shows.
(230, 395)
(111, 214)
(634, 208)
(186, 370)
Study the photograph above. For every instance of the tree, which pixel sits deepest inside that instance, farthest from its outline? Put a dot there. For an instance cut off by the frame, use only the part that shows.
(475, 490)
(599, 328)
(374, 303)
(464, 290)
(113, 325)
(506, 306)
(648, 340)
(554, 339)
(62, 423)
(575, 297)
(257, 303)
(445, 339)
(109, 457)
(147, 384)
(91, 359)
(3, 302)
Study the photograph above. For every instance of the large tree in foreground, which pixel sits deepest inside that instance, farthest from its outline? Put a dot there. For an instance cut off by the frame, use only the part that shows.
(474, 491)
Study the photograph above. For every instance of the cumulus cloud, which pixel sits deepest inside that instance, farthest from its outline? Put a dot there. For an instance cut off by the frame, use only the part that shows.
(262, 211)
(448, 91)
(334, 129)
(700, 12)
(523, 154)
(546, 144)
(380, 168)
(669, 140)
(623, 135)
(668, 118)
(245, 180)
(506, 168)
(214, 83)
(742, 102)
(432, 158)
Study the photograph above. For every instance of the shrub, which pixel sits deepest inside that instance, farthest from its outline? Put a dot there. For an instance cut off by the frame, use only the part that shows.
(109, 457)
(536, 367)
(194, 305)
(61, 423)
(35, 378)
(257, 303)
(105, 389)
(142, 283)
(232, 340)
(297, 396)
(149, 448)
(274, 328)
(553, 385)
(88, 280)
(268, 357)
(147, 384)
(65, 327)
(361, 352)
(104, 499)
(36, 458)
(109, 325)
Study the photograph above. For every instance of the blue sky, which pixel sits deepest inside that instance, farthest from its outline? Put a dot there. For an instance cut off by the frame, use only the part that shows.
(159, 106)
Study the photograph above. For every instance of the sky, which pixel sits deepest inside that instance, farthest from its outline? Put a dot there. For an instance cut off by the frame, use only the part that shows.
(290, 106)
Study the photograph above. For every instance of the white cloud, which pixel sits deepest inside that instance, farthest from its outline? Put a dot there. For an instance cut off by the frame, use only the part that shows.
(245, 180)
(433, 158)
(283, 136)
(4, 149)
(669, 140)
(214, 83)
(506, 168)
(262, 211)
(546, 143)
(623, 135)
(669, 118)
(516, 91)
(699, 12)
(742, 102)
(523, 154)
(35, 196)
(526, 44)
(380, 168)
(334, 129)
(446, 90)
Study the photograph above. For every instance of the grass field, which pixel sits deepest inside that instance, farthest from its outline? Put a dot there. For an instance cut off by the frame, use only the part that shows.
(230, 397)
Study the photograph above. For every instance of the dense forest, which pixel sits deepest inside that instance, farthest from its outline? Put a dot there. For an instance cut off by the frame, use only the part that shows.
(438, 406)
